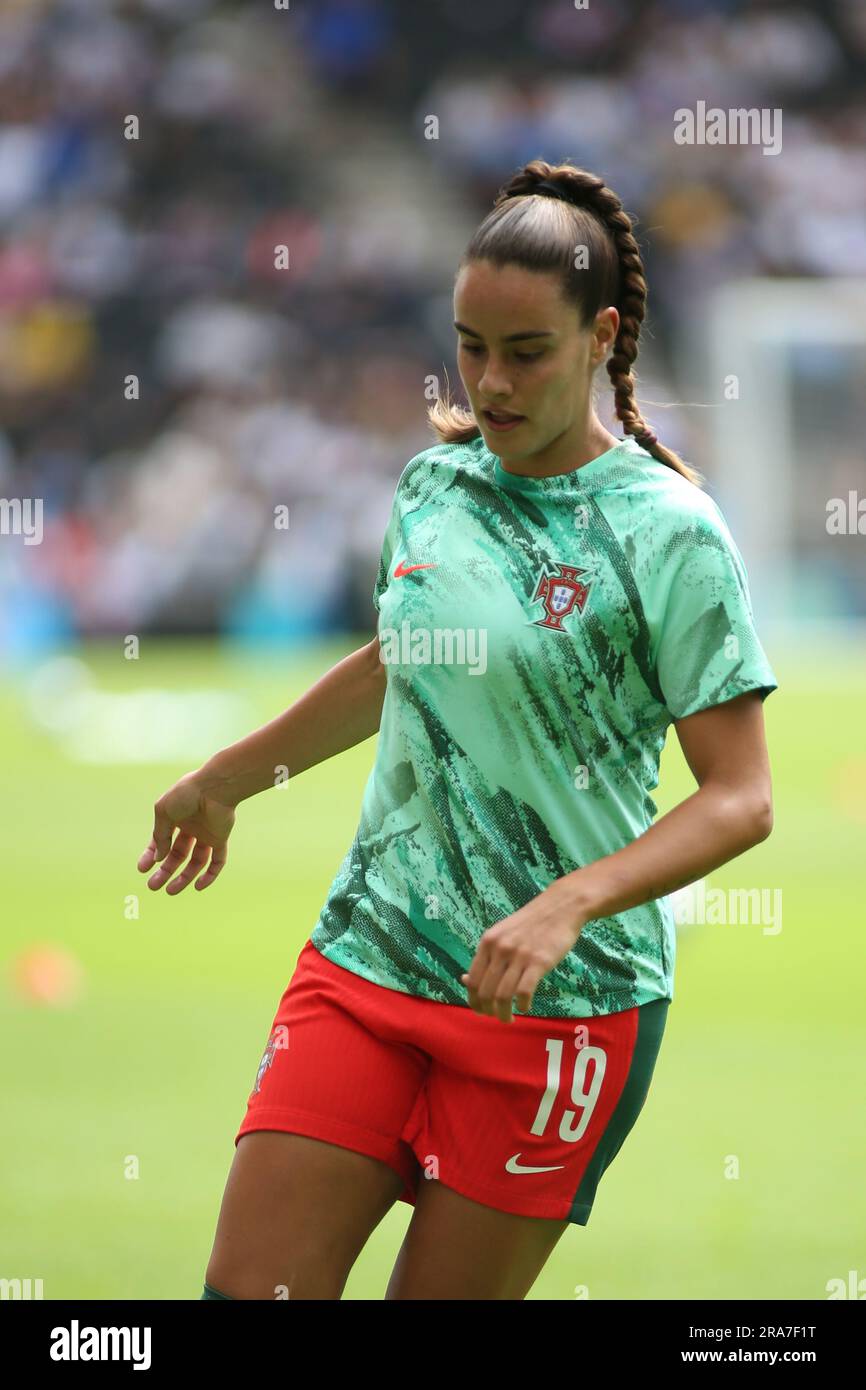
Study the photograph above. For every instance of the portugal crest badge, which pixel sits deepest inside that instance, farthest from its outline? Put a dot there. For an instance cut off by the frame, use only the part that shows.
(561, 590)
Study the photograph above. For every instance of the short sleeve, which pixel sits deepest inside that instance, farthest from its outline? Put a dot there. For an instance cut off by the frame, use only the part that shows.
(388, 547)
(708, 650)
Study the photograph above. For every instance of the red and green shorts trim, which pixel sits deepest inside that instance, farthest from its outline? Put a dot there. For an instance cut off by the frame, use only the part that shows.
(525, 1117)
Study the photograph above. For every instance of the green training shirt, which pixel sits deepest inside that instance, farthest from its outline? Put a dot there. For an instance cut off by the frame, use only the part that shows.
(539, 637)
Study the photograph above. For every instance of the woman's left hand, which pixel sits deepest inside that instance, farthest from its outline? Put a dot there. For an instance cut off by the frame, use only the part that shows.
(517, 952)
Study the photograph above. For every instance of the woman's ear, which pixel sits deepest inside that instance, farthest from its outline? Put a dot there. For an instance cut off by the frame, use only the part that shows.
(604, 333)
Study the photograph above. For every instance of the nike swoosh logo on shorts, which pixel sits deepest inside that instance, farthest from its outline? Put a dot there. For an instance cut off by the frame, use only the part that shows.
(512, 1166)
(407, 569)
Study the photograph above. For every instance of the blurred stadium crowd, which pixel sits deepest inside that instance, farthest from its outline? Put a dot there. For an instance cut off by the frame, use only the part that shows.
(261, 386)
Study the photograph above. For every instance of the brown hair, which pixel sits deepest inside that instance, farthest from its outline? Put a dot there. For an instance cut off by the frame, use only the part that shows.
(539, 233)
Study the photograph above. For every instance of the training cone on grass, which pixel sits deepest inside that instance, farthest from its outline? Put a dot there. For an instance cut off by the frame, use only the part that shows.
(47, 974)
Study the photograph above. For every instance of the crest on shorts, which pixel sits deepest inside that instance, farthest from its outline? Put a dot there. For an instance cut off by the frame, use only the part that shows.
(561, 590)
(267, 1059)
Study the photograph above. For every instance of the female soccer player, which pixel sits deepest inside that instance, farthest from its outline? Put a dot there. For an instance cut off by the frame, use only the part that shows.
(550, 600)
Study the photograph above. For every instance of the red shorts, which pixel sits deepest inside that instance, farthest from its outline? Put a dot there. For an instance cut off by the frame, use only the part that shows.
(522, 1116)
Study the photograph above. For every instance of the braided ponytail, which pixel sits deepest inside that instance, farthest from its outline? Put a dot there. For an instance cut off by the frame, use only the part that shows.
(517, 231)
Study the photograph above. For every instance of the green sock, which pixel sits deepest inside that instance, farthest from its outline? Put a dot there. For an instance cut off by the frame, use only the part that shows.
(213, 1293)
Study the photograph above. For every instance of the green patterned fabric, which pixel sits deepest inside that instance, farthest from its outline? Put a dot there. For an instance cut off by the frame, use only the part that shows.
(539, 637)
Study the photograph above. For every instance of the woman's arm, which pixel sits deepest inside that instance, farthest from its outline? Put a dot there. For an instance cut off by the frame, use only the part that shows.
(726, 749)
(732, 809)
(339, 710)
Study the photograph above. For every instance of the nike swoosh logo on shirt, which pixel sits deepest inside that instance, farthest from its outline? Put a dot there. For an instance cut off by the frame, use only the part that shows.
(512, 1166)
(407, 569)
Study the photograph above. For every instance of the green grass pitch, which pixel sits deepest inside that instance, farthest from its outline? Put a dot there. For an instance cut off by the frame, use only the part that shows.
(153, 1059)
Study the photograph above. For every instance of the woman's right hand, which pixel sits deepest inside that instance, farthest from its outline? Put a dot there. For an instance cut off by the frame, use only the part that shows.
(203, 823)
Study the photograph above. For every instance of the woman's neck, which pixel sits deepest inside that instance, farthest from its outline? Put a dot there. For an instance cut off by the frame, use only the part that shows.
(563, 455)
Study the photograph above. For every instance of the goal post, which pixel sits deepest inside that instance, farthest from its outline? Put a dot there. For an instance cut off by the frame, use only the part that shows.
(782, 364)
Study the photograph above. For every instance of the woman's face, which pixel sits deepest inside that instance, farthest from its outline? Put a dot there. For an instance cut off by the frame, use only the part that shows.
(522, 351)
